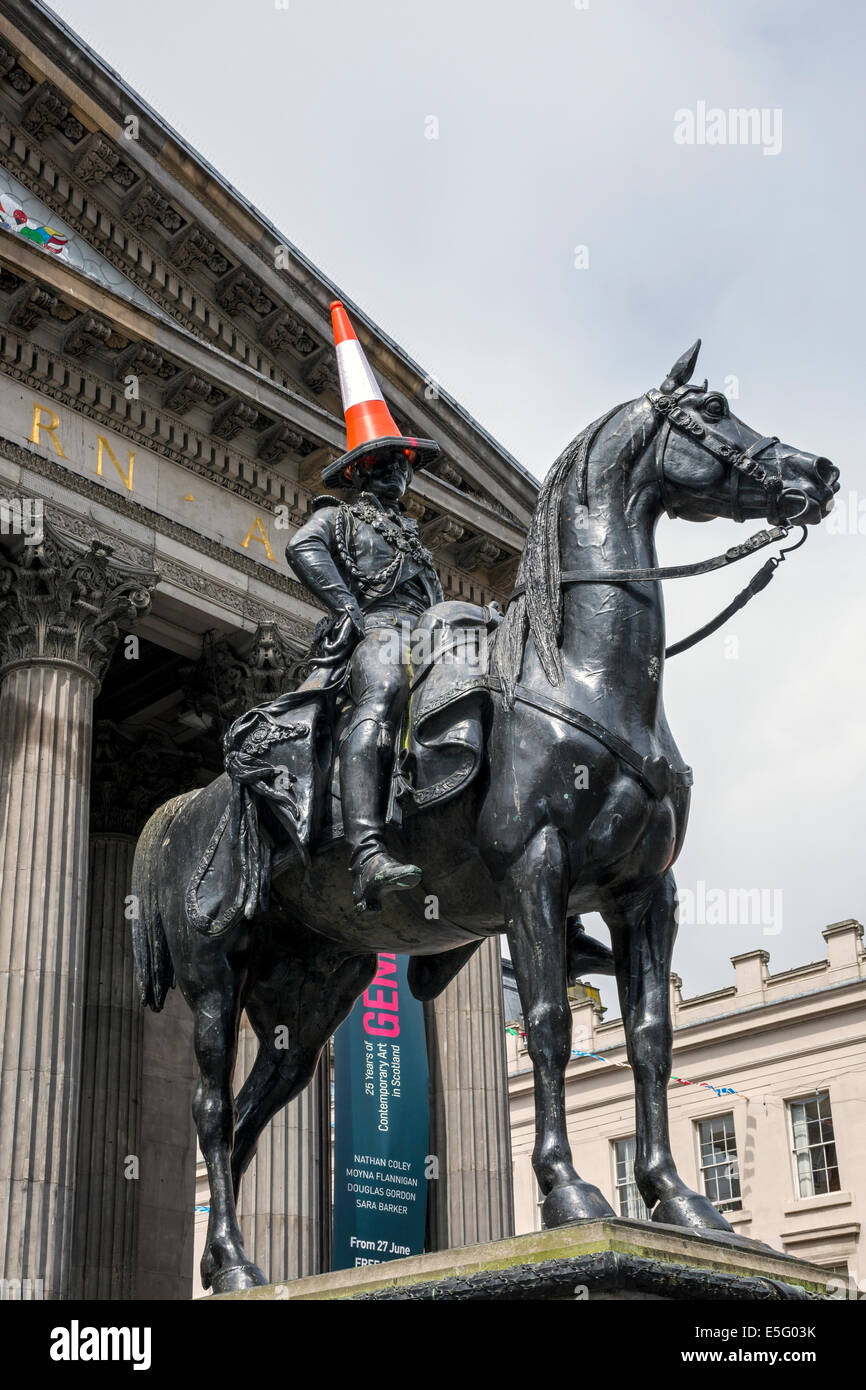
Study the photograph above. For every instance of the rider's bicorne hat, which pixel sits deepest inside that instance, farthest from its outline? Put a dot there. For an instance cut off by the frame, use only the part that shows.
(372, 435)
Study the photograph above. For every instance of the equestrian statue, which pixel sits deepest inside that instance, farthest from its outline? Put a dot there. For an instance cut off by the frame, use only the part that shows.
(482, 773)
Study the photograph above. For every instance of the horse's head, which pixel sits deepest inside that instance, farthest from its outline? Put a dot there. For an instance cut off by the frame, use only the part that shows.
(710, 464)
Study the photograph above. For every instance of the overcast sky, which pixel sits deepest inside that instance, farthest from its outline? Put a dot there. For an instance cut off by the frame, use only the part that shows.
(556, 130)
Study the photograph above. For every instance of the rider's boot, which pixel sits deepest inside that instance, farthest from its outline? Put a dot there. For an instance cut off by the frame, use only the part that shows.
(364, 794)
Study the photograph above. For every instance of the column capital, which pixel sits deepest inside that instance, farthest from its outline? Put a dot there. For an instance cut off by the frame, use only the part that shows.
(64, 603)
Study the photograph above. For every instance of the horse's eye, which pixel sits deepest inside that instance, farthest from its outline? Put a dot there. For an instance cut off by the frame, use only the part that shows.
(714, 407)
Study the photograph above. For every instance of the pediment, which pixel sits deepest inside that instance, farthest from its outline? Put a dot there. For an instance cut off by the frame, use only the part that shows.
(24, 216)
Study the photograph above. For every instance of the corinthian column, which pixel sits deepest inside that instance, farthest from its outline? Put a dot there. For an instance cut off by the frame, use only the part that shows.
(471, 1200)
(61, 605)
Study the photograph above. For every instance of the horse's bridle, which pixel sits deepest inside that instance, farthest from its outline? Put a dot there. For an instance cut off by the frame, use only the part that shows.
(742, 464)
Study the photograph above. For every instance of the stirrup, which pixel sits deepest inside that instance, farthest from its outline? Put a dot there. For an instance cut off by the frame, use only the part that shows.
(382, 874)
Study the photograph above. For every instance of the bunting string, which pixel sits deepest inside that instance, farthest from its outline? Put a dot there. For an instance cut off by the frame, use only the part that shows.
(678, 1080)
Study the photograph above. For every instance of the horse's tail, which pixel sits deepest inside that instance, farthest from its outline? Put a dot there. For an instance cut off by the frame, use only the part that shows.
(154, 968)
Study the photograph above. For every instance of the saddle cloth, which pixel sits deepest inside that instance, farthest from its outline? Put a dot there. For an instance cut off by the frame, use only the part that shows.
(284, 771)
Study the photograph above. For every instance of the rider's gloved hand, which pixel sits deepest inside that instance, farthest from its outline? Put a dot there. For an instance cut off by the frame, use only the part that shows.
(345, 632)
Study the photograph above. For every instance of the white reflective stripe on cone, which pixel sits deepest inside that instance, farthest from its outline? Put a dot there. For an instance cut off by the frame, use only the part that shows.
(357, 382)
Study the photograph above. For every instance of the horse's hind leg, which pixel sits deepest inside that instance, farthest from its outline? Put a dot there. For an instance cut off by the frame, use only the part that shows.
(534, 897)
(309, 1001)
(216, 1008)
(643, 930)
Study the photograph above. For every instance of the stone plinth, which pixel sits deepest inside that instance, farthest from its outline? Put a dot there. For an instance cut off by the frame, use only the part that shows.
(594, 1260)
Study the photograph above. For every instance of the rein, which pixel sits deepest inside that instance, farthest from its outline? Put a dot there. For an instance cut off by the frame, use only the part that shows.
(759, 581)
(742, 464)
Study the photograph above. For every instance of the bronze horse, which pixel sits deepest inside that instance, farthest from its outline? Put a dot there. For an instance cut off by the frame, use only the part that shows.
(581, 806)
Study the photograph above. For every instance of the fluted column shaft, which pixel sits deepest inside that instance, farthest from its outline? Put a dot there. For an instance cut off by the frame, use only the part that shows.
(46, 713)
(61, 604)
(104, 1230)
(285, 1203)
(470, 1134)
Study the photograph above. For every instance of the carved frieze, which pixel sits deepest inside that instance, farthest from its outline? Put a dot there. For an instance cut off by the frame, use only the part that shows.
(18, 78)
(447, 472)
(183, 575)
(414, 507)
(141, 360)
(88, 334)
(97, 159)
(48, 112)
(284, 332)
(240, 289)
(322, 375)
(478, 553)
(192, 390)
(149, 209)
(279, 441)
(31, 304)
(444, 530)
(232, 418)
(193, 248)
(125, 176)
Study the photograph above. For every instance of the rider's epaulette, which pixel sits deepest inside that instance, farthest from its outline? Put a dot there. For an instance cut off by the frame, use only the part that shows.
(324, 500)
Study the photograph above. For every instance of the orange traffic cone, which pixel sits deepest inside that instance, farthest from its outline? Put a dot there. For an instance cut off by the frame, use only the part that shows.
(372, 436)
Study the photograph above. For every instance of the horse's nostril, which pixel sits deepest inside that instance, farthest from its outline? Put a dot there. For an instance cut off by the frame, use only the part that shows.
(828, 473)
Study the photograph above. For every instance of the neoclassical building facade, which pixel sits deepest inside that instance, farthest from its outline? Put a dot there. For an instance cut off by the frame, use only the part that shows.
(168, 399)
(776, 1137)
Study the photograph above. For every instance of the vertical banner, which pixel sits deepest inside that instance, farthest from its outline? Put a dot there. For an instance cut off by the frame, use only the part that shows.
(381, 1123)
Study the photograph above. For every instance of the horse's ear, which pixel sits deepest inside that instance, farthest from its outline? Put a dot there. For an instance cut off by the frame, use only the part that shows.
(682, 369)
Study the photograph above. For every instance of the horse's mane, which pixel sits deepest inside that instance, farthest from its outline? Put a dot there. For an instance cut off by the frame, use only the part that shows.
(539, 608)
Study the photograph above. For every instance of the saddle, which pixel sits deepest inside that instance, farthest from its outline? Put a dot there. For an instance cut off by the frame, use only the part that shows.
(283, 766)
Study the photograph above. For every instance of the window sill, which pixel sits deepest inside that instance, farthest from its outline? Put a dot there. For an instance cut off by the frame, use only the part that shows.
(824, 1199)
(737, 1218)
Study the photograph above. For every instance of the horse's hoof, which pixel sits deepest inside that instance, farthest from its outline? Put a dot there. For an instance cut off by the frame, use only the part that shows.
(690, 1209)
(236, 1278)
(574, 1201)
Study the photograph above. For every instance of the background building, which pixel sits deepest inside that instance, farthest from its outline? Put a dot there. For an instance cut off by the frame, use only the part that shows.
(778, 1139)
(168, 398)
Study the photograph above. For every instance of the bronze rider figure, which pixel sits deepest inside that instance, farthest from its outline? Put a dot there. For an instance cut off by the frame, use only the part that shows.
(363, 559)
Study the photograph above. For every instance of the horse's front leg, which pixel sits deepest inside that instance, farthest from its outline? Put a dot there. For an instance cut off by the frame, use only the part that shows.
(535, 892)
(225, 1266)
(643, 930)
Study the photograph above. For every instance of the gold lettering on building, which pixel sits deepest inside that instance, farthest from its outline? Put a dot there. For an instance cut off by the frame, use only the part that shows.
(40, 423)
(258, 533)
(104, 444)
